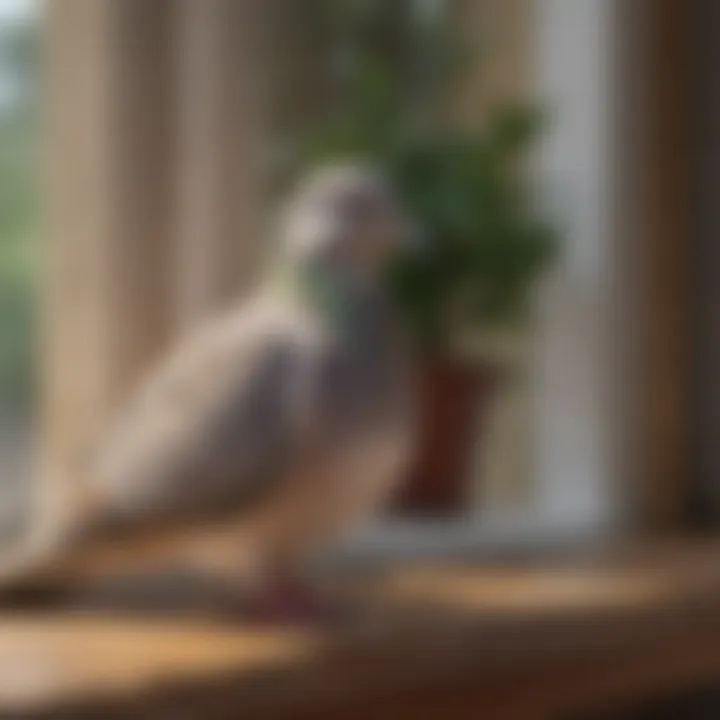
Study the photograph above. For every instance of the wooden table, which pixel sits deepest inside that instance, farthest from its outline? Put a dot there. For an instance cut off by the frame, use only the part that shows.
(513, 640)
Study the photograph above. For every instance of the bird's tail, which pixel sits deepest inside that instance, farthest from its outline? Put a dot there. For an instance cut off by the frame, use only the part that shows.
(58, 515)
(71, 550)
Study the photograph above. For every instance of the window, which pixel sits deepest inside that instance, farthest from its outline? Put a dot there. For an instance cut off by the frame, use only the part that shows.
(164, 147)
(19, 228)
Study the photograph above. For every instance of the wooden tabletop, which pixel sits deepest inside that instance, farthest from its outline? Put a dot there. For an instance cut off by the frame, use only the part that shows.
(515, 640)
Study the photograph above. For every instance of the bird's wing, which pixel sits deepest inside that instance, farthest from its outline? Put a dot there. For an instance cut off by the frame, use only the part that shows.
(213, 428)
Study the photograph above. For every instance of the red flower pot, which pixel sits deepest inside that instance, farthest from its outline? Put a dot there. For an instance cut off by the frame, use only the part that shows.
(454, 400)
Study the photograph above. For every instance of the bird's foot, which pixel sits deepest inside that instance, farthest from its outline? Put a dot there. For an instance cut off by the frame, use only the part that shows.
(293, 602)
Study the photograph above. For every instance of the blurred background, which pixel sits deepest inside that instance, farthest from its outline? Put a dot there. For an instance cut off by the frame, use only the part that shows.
(562, 156)
(158, 148)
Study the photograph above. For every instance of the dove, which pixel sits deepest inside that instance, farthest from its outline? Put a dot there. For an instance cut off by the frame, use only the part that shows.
(270, 431)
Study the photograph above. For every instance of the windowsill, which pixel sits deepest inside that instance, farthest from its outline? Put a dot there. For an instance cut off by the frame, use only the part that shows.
(392, 539)
(532, 635)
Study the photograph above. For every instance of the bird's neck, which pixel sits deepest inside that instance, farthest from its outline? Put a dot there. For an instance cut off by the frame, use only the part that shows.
(322, 291)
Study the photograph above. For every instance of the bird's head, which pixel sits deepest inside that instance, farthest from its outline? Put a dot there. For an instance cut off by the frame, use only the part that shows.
(344, 222)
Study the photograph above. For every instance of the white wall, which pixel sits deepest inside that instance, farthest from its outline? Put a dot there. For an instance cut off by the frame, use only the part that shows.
(573, 370)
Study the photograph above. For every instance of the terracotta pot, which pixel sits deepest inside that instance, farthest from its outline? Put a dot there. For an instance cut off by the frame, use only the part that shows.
(454, 399)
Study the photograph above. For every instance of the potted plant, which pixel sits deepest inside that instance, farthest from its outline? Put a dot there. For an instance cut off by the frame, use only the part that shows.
(486, 242)
(487, 247)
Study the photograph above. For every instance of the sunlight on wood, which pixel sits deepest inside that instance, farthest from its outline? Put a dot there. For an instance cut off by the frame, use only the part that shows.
(546, 590)
(66, 657)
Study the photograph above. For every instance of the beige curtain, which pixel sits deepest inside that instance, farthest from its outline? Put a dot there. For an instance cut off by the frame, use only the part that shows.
(160, 115)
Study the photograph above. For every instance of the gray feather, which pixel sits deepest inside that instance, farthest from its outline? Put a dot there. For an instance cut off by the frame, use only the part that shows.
(209, 429)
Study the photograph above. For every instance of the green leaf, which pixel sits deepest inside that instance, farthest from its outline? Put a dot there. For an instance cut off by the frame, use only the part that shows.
(488, 245)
